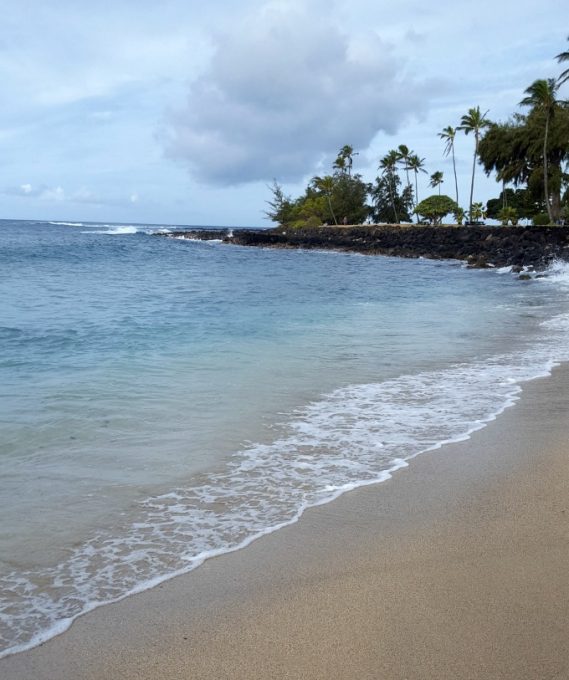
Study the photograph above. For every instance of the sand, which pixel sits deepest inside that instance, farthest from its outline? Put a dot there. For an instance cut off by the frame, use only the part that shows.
(457, 568)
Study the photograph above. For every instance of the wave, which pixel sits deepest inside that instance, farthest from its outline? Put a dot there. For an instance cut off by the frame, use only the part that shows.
(124, 229)
(69, 224)
(354, 436)
(113, 230)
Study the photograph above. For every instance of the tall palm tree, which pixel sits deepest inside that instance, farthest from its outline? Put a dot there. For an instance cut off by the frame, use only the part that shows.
(561, 58)
(474, 121)
(387, 165)
(448, 134)
(417, 165)
(404, 155)
(436, 180)
(345, 159)
(541, 96)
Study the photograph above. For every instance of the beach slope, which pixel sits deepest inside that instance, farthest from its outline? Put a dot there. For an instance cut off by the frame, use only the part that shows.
(454, 569)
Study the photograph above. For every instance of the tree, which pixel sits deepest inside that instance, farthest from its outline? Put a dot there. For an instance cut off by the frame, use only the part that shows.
(458, 215)
(522, 201)
(388, 167)
(474, 121)
(345, 159)
(434, 208)
(514, 150)
(561, 58)
(436, 180)
(326, 186)
(417, 165)
(507, 215)
(477, 213)
(405, 155)
(350, 198)
(448, 135)
(385, 193)
(541, 95)
(281, 207)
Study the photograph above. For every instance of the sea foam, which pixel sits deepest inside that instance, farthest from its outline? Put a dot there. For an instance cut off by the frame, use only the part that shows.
(354, 436)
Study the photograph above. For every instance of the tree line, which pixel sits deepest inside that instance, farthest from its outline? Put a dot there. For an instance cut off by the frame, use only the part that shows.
(528, 154)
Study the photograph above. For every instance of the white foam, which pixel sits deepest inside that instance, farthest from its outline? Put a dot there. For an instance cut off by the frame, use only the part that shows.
(114, 231)
(69, 224)
(354, 436)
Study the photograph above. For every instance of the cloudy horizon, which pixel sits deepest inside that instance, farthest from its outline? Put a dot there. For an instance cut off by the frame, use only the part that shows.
(184, 114)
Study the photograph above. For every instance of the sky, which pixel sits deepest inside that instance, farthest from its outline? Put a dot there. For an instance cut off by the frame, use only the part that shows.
(183, 112)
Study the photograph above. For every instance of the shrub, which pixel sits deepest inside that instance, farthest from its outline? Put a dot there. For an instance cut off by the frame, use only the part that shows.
(434, 208)
(541, 220)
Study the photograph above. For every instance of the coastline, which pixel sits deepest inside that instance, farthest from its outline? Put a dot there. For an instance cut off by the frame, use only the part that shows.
(479, 246)
(453, 569)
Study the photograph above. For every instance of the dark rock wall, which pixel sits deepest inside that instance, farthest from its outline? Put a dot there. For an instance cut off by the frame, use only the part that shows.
(480, 246)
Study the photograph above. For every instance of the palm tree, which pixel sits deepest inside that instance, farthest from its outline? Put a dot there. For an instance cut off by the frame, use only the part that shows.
(345, 159)
(417, 165)
(474, 121)
(436, 180)
(404, 155)
(326, 186)
(541, 96)
(387, 165)
(563, 57)
(448, 134)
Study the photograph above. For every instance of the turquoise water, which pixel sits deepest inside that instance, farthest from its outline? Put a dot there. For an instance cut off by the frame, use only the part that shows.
(164, 400)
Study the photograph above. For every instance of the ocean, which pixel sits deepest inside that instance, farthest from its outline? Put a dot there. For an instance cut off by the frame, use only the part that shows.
(165, 400)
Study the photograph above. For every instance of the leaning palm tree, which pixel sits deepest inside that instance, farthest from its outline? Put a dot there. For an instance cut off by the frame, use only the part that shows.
(436, 180)
(474, 121)
(387, 165)
(561, 58)
(448, 134)
(541, 96)
(404, 155)
(417, 165)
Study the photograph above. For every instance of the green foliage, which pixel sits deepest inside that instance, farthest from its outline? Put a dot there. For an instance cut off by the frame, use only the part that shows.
(474, 121)
(561, 58)
(532, 150)
(477, 213)
(436, 180)
(523, 201)
(434, 208)
(390, 204)
(327, 199)
(281, 207)
(508, 215)
(459, 215)
(541, 219)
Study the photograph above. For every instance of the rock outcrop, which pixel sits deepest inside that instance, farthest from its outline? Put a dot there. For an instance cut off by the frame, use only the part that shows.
(479, 246)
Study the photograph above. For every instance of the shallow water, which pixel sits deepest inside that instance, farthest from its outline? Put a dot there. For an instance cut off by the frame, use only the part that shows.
(164, 400)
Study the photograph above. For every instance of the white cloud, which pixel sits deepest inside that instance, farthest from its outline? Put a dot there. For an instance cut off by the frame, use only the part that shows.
(53, 194)
(284, 89)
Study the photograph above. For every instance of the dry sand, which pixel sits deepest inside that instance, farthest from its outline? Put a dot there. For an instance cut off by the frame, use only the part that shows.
(458, 568)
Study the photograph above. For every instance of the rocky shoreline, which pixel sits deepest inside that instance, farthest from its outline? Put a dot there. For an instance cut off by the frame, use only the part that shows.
(480, 246)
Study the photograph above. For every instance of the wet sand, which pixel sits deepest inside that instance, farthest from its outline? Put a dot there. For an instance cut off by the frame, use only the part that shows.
(457, 568)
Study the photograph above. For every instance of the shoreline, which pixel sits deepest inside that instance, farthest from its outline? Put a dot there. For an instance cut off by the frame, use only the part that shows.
(480, 246)
(207, 621)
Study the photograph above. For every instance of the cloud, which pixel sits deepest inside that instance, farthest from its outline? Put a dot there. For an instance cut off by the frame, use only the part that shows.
(285, 89)
(57, 194)
(42, 191)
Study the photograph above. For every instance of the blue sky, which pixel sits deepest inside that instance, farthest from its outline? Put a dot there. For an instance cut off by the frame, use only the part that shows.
(181, 112)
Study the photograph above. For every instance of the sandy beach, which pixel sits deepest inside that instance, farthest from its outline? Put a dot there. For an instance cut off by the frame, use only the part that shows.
(454, 569)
